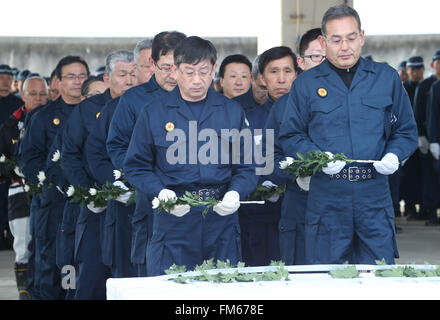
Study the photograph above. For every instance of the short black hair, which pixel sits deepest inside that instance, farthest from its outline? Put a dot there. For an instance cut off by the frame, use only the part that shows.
(165, 42)
(194, 49)
(69, 60)
(276, 53)
(306, 38)
(234, 58)
(86, 84)
(338, 12)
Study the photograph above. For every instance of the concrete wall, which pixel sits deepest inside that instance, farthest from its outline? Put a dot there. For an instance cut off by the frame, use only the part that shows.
(42, 54)
(395, 48)
(295, 22)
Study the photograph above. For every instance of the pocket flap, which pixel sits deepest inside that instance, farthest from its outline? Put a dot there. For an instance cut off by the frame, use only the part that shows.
(325, 107)
(377, 102)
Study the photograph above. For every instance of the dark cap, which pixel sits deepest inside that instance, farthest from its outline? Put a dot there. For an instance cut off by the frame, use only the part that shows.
(22, 75)
(436, 55)
(402, 66)
(415, 62)
(5, 69)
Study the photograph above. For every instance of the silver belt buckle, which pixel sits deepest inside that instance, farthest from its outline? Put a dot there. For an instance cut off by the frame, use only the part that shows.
(352, 174)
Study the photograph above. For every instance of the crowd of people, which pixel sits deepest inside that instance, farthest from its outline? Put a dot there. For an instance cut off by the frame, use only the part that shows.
(76, 130)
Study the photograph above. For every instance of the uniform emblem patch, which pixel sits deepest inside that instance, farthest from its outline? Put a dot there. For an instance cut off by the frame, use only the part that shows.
(56, 121)
(169, 126)
(98, 114)
(322, 92)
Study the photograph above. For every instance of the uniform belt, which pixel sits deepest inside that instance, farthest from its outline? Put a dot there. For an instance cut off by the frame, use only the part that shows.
(355, 173)
(208, 192)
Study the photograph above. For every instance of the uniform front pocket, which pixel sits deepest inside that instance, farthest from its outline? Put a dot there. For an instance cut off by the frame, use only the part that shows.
(327, 120)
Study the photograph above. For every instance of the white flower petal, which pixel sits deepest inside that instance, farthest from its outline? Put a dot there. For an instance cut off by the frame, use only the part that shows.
(155, 203)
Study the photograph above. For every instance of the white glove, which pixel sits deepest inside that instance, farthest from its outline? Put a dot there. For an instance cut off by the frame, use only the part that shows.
(423, 145)
(333, 167)
(91, 207)
(125, 196)
(435, 150)
(229, 204)
(388, 165)
(178, 210)
(304, 183)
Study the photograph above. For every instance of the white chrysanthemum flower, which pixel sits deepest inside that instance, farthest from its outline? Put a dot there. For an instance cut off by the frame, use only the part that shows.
(3, 158)
(117, 174)
(70, 191)
(285, 163)
(56, 156)
(41, 176)
(92, 191)
(26, 188)
(155, 203)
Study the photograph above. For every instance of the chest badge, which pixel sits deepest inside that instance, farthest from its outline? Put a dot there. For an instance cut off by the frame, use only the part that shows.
(322, 92)
(98, 114)
(169, 126)
(56, 121)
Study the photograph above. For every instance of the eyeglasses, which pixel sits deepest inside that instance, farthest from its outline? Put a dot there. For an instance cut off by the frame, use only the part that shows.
(34, 94)
(165, 68)
(203, 72)
(315, 57)
(71, 76)
(337, 41)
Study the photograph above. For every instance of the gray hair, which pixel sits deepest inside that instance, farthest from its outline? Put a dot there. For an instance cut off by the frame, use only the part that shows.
(141, 45)
(115, 56)
(26, 83)
(338, 12)
(255, 70)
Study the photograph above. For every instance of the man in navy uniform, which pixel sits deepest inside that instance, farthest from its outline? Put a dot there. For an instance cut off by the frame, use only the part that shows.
(8, 104)
(92, 273)
(257, 93)
(45, 123)
(235, 75)
(411, 185)
(35, 91)
(294, 206)
(431, 186)
(259, 223)
(359, 108)
(121, 128)
(182, 235)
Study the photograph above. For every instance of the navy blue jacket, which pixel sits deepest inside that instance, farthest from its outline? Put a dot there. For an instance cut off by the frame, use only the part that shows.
(36, 143)
(129, 106)
(82, 120)
(146, 165)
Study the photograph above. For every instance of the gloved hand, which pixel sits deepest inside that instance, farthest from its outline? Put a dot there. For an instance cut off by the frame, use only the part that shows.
(304, 183)
(229, 204)
(423, 145)
(125, 196)
(388, 165)
(435, 150)
(270, 184)
(333, 167)
(91, 207)
(178, 210)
